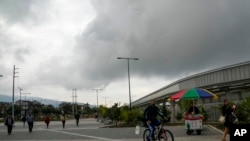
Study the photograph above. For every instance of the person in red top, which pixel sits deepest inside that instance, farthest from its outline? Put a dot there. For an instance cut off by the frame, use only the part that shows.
(47, 120)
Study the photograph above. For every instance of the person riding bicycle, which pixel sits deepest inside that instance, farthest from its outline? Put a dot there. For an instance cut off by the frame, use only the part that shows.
(150, 116)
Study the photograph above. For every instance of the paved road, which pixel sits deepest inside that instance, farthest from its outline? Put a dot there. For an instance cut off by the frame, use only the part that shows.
(89, 130)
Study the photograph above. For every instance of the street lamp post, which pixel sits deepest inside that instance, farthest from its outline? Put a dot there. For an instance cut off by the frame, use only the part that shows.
(128, 78)
(97, 103)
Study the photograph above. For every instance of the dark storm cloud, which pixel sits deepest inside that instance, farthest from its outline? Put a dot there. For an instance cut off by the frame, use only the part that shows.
(172, 39)
(14, 10)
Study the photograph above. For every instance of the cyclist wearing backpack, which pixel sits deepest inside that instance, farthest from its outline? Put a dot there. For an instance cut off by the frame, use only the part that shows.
(150, 116)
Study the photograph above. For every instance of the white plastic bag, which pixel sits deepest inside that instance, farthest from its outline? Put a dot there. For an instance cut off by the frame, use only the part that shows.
(137, 130)
(222, 119)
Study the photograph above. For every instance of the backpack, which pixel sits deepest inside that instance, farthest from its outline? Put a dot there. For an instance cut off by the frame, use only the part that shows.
(29, 119)
(8, 121)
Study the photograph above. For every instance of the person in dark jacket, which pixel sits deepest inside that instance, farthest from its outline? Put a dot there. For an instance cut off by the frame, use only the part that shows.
(150, 116)
(77, 117)
(227, 109)
(30, 121)
(193, 109)
(23, 120)
(9, 122)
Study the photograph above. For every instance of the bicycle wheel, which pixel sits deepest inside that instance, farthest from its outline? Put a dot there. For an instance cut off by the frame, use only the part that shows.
(146, 134)
(166, 136)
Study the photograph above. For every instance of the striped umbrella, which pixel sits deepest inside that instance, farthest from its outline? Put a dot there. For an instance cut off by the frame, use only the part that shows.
(193, 93)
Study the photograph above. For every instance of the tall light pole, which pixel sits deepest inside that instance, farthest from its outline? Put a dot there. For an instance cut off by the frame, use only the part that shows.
(128, 78)
(97, 102)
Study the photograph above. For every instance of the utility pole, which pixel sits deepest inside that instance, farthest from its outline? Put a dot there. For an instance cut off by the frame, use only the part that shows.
(13, 91)
(110, 102)
(25, 111)
(74, 97)
(97, 103)
(73, 102)
(20, 89)
(105, 100)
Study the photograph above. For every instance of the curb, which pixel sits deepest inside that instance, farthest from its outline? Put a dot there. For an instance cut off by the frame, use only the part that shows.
(214, 128)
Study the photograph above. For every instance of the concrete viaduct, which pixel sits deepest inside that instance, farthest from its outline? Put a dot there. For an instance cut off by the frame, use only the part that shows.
(232, 82)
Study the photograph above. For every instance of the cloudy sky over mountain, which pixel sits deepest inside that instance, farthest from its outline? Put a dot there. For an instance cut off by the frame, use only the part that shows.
(60, 45)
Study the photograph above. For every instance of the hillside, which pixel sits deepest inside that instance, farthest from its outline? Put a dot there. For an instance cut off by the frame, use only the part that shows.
(7, 98)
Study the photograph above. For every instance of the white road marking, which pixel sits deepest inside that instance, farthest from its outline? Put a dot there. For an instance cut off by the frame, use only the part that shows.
(94, 137)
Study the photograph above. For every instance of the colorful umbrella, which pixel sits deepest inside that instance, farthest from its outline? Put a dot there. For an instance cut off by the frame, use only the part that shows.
(193, 93)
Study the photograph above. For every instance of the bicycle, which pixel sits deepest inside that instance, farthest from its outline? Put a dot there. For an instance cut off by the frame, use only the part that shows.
(160, 133)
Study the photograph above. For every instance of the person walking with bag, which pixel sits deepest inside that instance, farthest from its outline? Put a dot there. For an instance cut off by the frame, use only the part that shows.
(63, 118)
(227, 111)
(9, 122)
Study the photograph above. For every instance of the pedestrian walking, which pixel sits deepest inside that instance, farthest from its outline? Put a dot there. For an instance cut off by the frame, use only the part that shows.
(47, 120)
(77, 117)
(227, 110)
(30, 121)
(9, 122)
(23, 120)
(63, 118)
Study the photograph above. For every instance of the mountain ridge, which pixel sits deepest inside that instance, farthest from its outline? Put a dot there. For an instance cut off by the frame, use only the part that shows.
(55, 103)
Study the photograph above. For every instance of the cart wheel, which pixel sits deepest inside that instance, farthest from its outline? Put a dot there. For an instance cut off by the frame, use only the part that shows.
(189, 132)
(198, 132)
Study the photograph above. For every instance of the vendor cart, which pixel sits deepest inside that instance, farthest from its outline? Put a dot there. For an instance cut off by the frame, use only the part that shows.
(193, 122)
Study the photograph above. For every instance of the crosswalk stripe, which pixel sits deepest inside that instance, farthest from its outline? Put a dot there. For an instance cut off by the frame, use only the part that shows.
(94, 137)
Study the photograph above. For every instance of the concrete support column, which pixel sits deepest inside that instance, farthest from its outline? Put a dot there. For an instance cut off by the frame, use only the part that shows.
(164, 107)
(173, 111)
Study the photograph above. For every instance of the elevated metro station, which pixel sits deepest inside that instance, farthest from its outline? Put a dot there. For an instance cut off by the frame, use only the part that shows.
(231, 82)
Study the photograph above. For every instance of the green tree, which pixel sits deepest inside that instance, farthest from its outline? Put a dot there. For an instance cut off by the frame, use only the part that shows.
(103, 111)
(114, 113)
(243, 111)
(16, 110)
(49, 109)
(66, 107)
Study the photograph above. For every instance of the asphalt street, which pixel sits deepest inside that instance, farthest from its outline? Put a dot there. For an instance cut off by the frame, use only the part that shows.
(91, 130)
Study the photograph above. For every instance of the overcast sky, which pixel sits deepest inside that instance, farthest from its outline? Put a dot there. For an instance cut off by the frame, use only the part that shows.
(59, 45)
